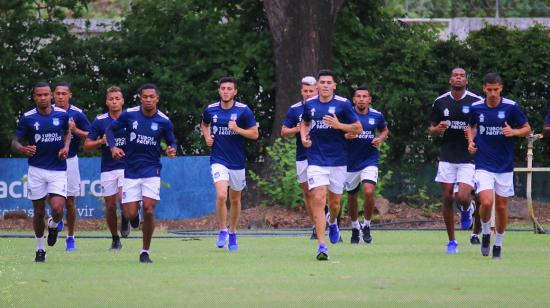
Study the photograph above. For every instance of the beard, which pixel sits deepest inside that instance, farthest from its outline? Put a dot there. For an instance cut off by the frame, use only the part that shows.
(458, 87)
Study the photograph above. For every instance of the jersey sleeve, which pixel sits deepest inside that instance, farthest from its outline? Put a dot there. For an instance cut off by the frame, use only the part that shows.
(22, 128)
(94, 131)
(517, 117)
(348, 115)
(291, 120)
(65, 122)
(206, 116)
(435, 116)
(382, 124)
(115, 126)
(306, 116)
(169, 134)
(82, 122)
(473, 117)
(248, 119)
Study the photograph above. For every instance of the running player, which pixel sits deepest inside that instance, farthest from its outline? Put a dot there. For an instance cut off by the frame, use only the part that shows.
(112, 171)
(362, 167)
(290, 128)
(327, 117)
(45, 130)
(494, 122)
(546, 129)
(225, 126)
(145, 126)
(449, 120)
(79, 126)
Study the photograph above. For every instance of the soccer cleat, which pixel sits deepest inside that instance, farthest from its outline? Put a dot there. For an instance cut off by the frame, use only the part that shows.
(452, 248)
(367, 238)
(355, 236)
(466, 217)
(40, 256)
(116, 244)
(52, 234)
(144, 258)
(333, 233)
(60, 226)
(313, 234)
(125, 226)
(135, 222)
(222, 239)
(497, 252)
(474, 239)
(232, 246)
(485, 244)
(70, 244)
(322, 253)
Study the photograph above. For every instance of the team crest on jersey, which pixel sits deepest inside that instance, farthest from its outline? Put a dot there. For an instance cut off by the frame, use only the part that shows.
(331, 109)
(55, 122)
(501, 115)
(446, 112)
(233, 117)
(215, 118)
(371, 121)
(481, 118)
(465, 109)
(154, 126)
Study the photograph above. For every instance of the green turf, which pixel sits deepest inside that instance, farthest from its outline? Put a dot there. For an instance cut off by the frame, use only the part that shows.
(402, 268)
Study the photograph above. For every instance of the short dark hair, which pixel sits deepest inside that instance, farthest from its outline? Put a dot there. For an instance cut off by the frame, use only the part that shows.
(230, 79)
(492, 78)
(326, 72)
(362, 87)
(40, 84)
(62, 83)
(148, 86)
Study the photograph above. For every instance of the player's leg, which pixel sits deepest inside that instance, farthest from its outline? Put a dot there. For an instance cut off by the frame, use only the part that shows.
(317, 201)
(57, 203)
(485, 183)
(73, 190)
(447, 176)
(150, 192)
(465, 180)
(369, 187)
(504, 188)
(474, 238)
(39, 207)
(337, 179)
(237, 182)
(353, 181)
(301, 174)
(111, 218)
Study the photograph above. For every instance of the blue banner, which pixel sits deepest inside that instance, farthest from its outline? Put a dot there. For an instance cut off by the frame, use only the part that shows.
(186, 188)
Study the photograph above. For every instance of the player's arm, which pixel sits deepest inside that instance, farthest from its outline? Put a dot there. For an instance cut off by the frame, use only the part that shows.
(304, 133)
(92, 141)
(171, 140)
(470, 135)
(437, 126)
(64, 152)
(249, 133)
(17, 146)
(523, 131)
(382, 135)
(79, 127)
(116, 125)
(289, 132)
(353, 128)
(208, 137)
(546, 129)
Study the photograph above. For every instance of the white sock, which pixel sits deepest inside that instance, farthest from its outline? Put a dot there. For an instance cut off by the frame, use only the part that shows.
(355, 224)
(144, 250)
(52, 224)
(333, 224)
(500, 237)
(473, 234)
(223, 230)
(486, 227)
(40, 243)
(366, 223)
(70, 236)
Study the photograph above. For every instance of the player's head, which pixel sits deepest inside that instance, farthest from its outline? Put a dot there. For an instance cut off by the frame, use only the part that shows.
(62, 94)
(227, 89)
(149, 96)
(361, 97)
(326, 83)
(42, 94)
(458, 79)
(492, 86)
(309, 88)
(114, 99)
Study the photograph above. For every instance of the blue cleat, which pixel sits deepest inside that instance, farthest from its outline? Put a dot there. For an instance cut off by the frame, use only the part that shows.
(452, 248)
(70, 244)
(322, 253)
(334, 233)
(222, 239)
(466, 220)
(60, 226)
(232, 246)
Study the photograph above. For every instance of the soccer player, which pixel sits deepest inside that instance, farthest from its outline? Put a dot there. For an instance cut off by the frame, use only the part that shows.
(225, 126)
(112, 171)
(449, 120)
(145, 126)
(327, 117)
(45, 130)
(546, 129)
(494, 122)
(290, 128)
(79, 126)
(363, 156)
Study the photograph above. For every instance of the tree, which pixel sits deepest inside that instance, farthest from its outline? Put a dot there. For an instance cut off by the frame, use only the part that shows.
(302, 44)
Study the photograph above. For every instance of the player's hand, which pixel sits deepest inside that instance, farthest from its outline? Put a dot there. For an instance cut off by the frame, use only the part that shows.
(28, 150)
(170, 152)
(63, 153)
(209, 140)
(233, 126)
(350, 136)
(103, 140)
(306, 141)
(472, 147)
(376, 142)
(117, 153)
(332, 121)
(441, 127)
(297, 128)
(508, 131)
(72, 125)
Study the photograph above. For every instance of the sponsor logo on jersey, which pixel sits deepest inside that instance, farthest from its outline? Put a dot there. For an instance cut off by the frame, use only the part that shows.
(446, 112)
(36, 125)
(154, 126)
(214, 129)
(465, 109)
(481, 118)
(312, 112)
(132, 136)
(134, 125)
(490, 130)
(215, 118)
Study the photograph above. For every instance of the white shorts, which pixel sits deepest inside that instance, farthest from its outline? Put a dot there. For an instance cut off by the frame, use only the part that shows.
(42, 182)
(111, 181)
(301, 171)
(353, 179)
(333, 177)
(455, 173)
(135, 189)
(73, 177)
(236, 178)
(501, 183)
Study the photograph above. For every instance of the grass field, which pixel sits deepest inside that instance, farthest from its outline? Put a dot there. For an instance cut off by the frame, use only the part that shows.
(400, 268)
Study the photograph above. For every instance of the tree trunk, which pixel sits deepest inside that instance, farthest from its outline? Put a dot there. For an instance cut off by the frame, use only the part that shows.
(302, 41)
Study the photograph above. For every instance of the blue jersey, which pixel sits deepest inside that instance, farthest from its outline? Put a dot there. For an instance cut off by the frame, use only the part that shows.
(329, 147)
(293, 117)
(495, 152)
(361, 152)
(547, 120)
(143, 136)
(228, 148)
(81, 123)
(47, 133)
(97, 130)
